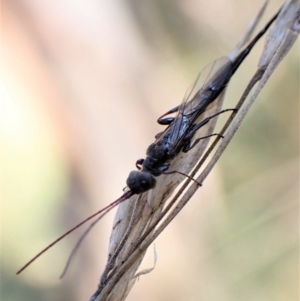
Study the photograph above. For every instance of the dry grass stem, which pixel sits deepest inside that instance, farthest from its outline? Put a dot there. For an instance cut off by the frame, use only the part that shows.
(141, 219)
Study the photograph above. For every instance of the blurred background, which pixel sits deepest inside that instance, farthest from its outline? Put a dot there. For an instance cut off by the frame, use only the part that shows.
(83, 83)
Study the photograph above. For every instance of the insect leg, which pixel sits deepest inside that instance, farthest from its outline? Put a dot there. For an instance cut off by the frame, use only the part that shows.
(188, 147)
(183, 174)
(158, 134)
(169, 120)
(196, 127)
(138, 163)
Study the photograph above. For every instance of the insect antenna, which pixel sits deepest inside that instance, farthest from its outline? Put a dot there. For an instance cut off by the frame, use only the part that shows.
(80, 240)
(104, 210)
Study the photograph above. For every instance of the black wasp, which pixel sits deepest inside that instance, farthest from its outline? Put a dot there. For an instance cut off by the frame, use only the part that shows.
(182, 128)
(174, 139)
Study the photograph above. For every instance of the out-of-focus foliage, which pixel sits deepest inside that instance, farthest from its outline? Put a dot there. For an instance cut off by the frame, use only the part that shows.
(83, 84)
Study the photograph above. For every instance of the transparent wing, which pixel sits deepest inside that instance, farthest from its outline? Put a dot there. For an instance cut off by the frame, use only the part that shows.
(199, 97)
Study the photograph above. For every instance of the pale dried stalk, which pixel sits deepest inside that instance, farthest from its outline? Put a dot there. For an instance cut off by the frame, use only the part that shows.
(127, 250)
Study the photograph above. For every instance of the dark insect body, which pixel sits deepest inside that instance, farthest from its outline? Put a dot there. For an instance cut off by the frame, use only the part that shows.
(175, 138)
(181, 129)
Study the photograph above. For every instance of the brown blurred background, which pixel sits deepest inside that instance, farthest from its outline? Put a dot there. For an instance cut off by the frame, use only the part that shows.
(83, 84)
